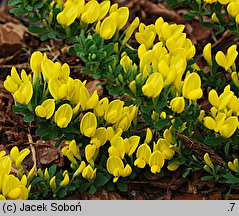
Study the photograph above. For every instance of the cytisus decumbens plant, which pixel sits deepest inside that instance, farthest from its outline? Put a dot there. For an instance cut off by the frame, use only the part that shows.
(157, 87)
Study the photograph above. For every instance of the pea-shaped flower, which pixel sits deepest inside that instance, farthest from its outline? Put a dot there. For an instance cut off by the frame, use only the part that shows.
(89, 173)
(153, 85)
(115, 166)
(234, 166)
(114, 111)
(63, 115)
(165, 147)
(46, 109)
(192, 87)
(107, 28)
(91, 12)
(229, 127)
(177, 104)
(156, 161)
(17, 156)
(207, 53)
(24, 93)
(69, 14)
(35, 63)
(88, 124)
(143, 154)
(226, 61)
(13, 188)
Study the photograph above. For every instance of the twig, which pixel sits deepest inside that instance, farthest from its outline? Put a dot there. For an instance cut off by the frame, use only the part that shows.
(33, 152)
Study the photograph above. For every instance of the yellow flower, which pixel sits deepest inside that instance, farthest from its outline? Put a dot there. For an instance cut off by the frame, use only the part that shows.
(80, 169)
(17, 156)
(100, 136)
(208, 161)
(192, 87)
(87, 101)
(229, 127)
(124, 122)
(91, 12)
(149, 136)
(90, 153)
(165, 147)
(131, 144)
(115, 166)
(153, 85)
(235, 79)
(57, 89)
(63, 115)
(101, 107)
(46, 109)
(177, 104)
(232, 8)
(173, 166)
(89, 173)
(35, 63)
(24, 93)
(114, 111)
(65, 181)
(88, 124)
(143, 154)
(53, 183)
(46, 174)
(104, 8)
(215, 18)
(31, 173)
(234, 166)
(117, 147)
(69, 14)
(156, 161)
(130, 30)
(71, 150)
(108, 28)
(226, 61)
(207, 53)
(122, 17)
(12, 188)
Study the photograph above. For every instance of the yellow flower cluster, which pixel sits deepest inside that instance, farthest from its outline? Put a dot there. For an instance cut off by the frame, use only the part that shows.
(108, 19)
(10, 186)
(164, 63)
(232, 7)
(224, 113)
(21, 87)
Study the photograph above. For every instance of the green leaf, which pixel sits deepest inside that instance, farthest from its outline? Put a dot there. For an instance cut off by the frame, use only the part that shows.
(122, 186)
(231, 179)
(92, 190)
(36, 180)
(100, 180)
(207, 178)
(51, 35)
(20, 108)
(14, 2)
(190, 16)
(36, 30)
(62, 192)
(45, 193)
(29, 117)
(160, 124)
(52, 170)
(18, 11)
(83, 186)
(147, 109)
(42, 131)
(111, 186)
(58, 142)
(215, 141)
